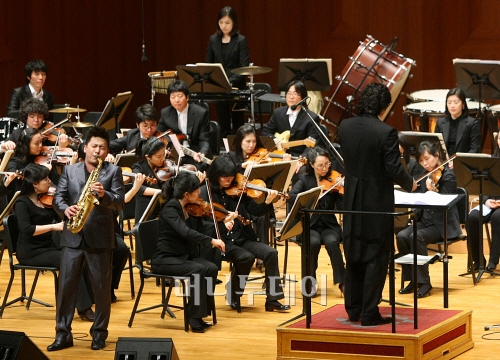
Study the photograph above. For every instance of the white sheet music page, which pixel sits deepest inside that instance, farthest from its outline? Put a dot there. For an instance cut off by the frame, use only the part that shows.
(428, 198)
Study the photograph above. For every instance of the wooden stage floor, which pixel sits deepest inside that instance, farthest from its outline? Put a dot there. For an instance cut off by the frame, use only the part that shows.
(249, 335)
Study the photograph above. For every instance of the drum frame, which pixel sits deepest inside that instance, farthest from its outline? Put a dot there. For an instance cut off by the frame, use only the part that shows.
(158, 76)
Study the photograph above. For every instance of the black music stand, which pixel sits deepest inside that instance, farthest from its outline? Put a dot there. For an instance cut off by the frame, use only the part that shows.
(114, 110)
(415, 138)
(316, 74)
(478, 174)
(294, 226)
(126, 160)
(204, 78)
(276, 175)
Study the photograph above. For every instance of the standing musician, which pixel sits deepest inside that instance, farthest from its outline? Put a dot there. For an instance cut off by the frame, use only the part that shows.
(94, 243)
(372, 166)
(177, 251)
(36, 220)
(430, 225)
(241, 242)
(36, 73)
(229, 48)
(153, 151)
(190, 122)
(461, 132)
(296, 121)
(146, 119)
(32, 113)
(325, 230)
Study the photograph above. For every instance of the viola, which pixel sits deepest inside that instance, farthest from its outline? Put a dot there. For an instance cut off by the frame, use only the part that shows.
(202, 208)
(158, 135)
(263, 156)
(254, 188)
(47, 198)
(48, 155)
(128, 174)
(332, 182)
(169, 169)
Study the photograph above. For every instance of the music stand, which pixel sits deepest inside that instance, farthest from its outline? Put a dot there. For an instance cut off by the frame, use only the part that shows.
(478, 174)
(293, 226)
(202, 78)
(415, 138)
(276, 175)
(114, 110)
(126, 160)
(149, 213)
(316, 74)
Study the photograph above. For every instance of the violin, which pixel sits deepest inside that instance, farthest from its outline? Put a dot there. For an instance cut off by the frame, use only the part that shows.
(158, 135)
(263, 156)
(169, 169)
(47, 198)
(202, 208)
(436, 174)
(128, 174)
(48, 155)
(332, 182)
(254, 188)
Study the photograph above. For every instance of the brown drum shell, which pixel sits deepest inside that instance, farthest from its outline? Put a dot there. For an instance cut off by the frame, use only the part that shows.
(392, 70)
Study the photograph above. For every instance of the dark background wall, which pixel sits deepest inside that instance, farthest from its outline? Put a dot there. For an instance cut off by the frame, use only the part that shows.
(93, 48)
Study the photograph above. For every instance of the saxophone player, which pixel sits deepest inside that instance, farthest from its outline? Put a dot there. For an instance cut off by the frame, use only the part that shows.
(93, 244)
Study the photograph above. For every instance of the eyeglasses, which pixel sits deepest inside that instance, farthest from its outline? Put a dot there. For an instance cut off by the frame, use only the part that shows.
(148, 127)
(323, 166)
(292, 93)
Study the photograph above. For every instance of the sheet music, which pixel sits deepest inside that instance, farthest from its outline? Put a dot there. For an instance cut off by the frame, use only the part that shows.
(476, 61)
(428, 198)
(219, 65)
(408, 259)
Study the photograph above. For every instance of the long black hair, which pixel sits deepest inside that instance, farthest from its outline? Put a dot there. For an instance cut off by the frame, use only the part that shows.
(177, 186)
(241, 133)
(461, 95)
(33, 173)
(22, 151)
(149, 147)
(229, 12)
(221, 166)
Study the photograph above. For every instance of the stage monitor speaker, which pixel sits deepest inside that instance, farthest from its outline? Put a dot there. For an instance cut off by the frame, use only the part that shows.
(17, 345)
(145, 349)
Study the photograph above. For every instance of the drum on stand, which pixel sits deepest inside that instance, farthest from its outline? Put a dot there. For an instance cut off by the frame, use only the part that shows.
(7, 126)
(160, 81)
(371, 63)
(428, 95)
(423, 116)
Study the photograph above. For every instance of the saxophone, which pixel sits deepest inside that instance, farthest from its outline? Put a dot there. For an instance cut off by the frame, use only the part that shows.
(86, 202)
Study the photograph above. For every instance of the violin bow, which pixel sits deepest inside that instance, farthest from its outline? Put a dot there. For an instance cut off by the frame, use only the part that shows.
(209, 191)
(430, 172)
(52, 157)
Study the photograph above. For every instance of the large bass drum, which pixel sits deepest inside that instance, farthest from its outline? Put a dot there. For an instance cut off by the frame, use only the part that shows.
(371, 63)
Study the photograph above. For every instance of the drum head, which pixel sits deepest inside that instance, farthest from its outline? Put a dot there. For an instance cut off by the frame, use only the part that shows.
(437, 107)
(428, 95)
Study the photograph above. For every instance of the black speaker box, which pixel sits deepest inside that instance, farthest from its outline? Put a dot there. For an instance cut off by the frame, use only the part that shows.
(18, 346)
(145, 349)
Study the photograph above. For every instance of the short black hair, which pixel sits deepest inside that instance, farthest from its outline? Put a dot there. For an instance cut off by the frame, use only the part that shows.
(373, 99)
(32, 106)
(222, 165)
(461, 95)
(432, 148)
(177, 186)
(146, 112)
(178, 86)
(311, 159)
(35, 65)
(300, 87)
(97, 131)
(229, 12)
(149, 147)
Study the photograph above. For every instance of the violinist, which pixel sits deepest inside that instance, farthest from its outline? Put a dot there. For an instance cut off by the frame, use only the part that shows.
(153, 153)
(242, 246)
(177, 251)
(325, 230)
(430, 224)
(246, 142)
(39, 230)
(190, 122)
(414, 168)
(32, 114)
(146, 119)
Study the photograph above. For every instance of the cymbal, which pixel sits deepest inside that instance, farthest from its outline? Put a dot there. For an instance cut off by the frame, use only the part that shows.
(251, 70)
(67, 109)
(78, 124)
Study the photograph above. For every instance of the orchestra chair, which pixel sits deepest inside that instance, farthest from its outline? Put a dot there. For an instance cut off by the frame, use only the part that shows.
(145, 232)
(126, 214)
(215, 138)
(11, 236)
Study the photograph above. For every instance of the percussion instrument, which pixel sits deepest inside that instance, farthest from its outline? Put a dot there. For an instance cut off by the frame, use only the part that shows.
(371, 63)
(423, 116)
(428, 95)
(7, 126)
(67, 109)
(160, 81)
(78, 124)
(251, 70)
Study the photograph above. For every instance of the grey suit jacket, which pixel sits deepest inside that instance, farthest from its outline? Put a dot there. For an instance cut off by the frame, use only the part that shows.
(98, 231)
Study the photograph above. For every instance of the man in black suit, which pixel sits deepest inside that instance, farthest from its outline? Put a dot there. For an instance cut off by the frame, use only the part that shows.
(36, 73)
(296, 121)
(372, 166)
(146, 119)
(93, 244)
(190, 122)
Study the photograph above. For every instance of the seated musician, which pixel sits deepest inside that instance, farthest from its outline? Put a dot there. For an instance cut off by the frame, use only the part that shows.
(190, 122)
(153, 151)
(461, 132)
(430, 224)
(36, 74)
(296, 121)
(28, 150)
(246, 142)
(146, 119)
(325, 230)
(414, 168)
(32, 113)
(241, 242)
(37, 221)
(176, 251)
